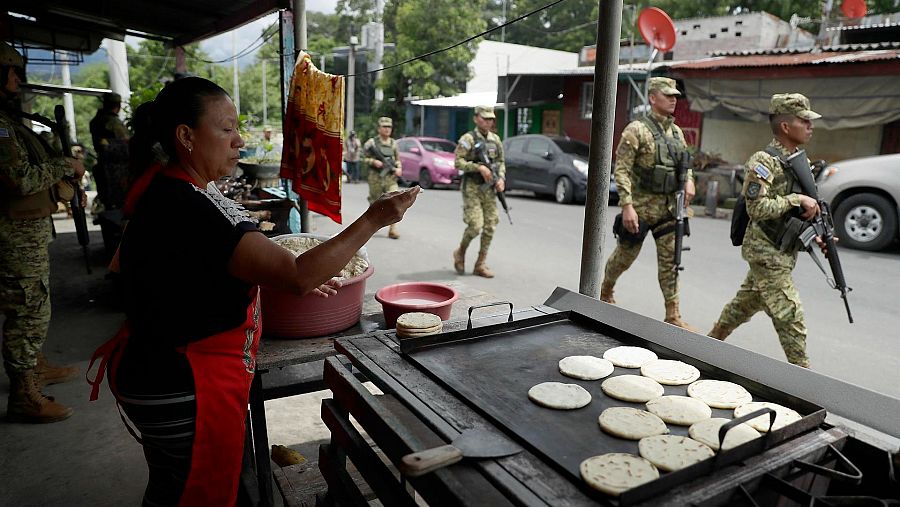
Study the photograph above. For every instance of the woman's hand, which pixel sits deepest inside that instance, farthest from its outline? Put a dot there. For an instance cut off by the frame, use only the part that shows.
(390, 207)
(328, 288)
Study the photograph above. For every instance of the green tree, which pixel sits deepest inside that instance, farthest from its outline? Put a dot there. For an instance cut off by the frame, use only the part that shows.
(95, 75)
(567, 26)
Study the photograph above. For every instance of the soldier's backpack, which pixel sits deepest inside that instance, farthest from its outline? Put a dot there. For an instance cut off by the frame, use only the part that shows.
(739, 217)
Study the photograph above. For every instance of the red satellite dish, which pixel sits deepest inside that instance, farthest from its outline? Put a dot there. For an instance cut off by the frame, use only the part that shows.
(854, 8)
(657, 28)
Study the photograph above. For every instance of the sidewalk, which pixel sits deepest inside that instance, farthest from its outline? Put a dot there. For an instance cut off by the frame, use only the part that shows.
(90, 459)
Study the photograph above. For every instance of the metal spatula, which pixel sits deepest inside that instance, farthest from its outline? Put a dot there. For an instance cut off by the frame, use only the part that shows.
(474, 444)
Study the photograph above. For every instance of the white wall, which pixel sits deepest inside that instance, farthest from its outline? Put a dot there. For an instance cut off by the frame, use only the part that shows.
(736, 140)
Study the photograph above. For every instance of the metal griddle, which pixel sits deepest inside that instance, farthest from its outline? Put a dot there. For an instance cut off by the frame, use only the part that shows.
(493, 367)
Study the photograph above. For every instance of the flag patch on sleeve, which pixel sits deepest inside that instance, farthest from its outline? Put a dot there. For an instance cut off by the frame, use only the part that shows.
(762, 171)
(4, 133)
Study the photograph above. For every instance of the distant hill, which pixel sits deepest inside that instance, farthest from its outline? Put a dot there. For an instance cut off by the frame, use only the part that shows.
(42, 71)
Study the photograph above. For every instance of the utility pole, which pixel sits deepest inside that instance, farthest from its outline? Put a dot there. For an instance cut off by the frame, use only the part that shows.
(379, 47)
(351, 84)
(118, 71)
(300, 43)
(503, 30)
(265, 98)
(603, 114)
(236, 88)
(68, 105)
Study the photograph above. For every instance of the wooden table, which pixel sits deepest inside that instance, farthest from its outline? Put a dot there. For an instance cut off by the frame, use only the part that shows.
(287, 367)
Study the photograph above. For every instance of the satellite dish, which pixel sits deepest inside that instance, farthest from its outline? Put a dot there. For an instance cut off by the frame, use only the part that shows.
(658, 29)
(854, 9)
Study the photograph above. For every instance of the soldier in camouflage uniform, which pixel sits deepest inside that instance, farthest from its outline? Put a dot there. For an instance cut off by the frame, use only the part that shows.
(30, 187)
(645, 178)
(770, 200)
(479, 189)
(379, 184)
(110, 139)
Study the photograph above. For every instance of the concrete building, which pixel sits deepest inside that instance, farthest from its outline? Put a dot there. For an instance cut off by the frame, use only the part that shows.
(700, 37)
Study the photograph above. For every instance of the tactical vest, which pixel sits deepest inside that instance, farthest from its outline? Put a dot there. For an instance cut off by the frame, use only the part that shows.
(493, 151)
(42, 203)
(100, 131)
(660, 178)
(784, 231)
(387, 150)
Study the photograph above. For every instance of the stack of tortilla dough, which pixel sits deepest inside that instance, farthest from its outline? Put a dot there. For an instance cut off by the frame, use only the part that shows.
(416, 324)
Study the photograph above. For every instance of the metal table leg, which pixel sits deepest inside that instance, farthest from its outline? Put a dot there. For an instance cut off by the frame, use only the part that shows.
(261, 441)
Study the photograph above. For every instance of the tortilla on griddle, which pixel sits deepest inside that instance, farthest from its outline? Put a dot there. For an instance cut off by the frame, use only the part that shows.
(617, 472)
(783, 415)
(669, 372)
(585, 367)
(679, 410)
(707, 432)
(719, 393)
(629, 357)
(673, 452)
(631, 423)
(559, 396)
(633, 388)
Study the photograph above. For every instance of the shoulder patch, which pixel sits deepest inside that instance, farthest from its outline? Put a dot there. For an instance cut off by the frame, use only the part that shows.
(465, 144)
(4, 132)
(762, 171)
(753, 189)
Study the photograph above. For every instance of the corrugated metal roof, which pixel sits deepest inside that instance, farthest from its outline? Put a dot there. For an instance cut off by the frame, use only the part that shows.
(786, 60)
(837, 48)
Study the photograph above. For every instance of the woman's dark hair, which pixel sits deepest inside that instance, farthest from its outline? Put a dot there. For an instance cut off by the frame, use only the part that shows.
(182, 101)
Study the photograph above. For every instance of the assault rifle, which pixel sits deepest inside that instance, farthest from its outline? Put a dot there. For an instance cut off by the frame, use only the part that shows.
(482, 156)
(682, 162)
(820, 226)
(78, 213)
(388, 166)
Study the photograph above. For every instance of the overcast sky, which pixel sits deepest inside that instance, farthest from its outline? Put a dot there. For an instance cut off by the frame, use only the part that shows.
(220, 46)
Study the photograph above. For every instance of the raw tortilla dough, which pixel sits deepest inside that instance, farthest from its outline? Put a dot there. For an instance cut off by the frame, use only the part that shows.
(559, 396)
(629, 357)
(585, 367)
(673, 452)
(631, 423)
(783, 417)
(672, 373)
(633, 388)
(707, 432)
(719, 393)
(679, 410)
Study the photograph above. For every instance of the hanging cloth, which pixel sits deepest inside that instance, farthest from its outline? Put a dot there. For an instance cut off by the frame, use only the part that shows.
(313, 123)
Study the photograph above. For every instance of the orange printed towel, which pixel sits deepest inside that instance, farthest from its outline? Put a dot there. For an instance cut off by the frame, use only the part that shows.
(311, 158)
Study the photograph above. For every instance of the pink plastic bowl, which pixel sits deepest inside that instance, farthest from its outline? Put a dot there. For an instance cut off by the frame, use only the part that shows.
(286, 315)
(415, 297)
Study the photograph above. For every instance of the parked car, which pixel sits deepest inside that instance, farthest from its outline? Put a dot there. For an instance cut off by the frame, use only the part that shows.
(556, 166)
(864, 194)
(428, 161)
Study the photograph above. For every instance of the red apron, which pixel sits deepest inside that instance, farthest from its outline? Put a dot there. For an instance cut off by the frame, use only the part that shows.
(223, 366)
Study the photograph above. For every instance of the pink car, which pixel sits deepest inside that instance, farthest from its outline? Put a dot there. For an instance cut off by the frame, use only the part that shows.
(428, 161)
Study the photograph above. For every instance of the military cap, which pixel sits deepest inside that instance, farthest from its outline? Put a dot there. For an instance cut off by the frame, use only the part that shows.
(268, 128)
(792, 103)
(486, 112)
(664, 84)
(10, 57)
(384, 121)
(112, 98)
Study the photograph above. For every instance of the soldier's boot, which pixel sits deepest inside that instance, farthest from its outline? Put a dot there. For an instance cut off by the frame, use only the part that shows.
(606, 293)
(48, 374)
(392, 232)
(481, 268)
(459, 260)
(28, 405)
(673, 316)
(718, 332)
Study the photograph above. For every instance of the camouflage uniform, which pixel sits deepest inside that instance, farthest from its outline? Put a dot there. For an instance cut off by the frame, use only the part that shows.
(379, 184)
(480, 212)
(28, 173)
(110, 138)
(769, 286)
(636, 151)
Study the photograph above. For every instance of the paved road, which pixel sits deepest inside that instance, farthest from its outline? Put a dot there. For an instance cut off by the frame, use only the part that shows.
(543, 250)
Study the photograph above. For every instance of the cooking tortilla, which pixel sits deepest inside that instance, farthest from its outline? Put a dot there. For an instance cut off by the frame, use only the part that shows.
(631, 423)
(673, 452)
(585, 367)
(668, 372)
(633, 388)
(629, 357)
(719, 393)
(707, 432)
(679, 410)
(413, 321)
(783, 417)
(617, 472)
(559, 396)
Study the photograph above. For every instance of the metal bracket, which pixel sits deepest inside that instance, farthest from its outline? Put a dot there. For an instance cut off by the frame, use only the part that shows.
(853, 477)
(497, 303)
